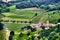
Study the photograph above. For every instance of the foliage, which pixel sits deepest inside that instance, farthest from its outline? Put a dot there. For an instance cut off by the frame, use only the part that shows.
(1, 26)
(2, 32)
(2, 35)
(49, 34)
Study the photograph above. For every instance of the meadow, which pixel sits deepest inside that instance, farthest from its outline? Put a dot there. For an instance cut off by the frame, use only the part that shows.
(13, 26)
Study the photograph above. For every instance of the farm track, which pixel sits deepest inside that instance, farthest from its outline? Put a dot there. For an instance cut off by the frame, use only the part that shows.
(7, 33)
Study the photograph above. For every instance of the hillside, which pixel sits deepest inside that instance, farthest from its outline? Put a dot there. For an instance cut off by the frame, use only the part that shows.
(49, 5)
(30, 20)
(44, 4)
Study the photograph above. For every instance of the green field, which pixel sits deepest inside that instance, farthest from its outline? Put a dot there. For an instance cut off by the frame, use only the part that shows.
(13, 26)
(24, 14)
(29, 15)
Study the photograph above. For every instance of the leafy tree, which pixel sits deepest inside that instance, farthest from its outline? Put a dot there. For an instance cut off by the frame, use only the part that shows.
(58, 20)
(52, 36)
(58, 26)
(12, 33)
(1, 26)
(10, 37)
(36, 14)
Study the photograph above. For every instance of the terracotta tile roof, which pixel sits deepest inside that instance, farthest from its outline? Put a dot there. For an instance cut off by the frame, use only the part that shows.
(38, 25)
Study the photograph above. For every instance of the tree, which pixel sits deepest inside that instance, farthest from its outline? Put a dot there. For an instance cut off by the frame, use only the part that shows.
(13, 21)
(52, 36)
(54, 12)
(36, 14)
(12, 33)
(0, 10)
(58, 26)
(58, 20)
(1, 26)
(10, 37)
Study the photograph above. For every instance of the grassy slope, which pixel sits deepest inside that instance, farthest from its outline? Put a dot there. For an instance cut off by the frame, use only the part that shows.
(29, 13)
(44, 16)
(2, 35)
(13, 26)
(21, 14)
(38, 18)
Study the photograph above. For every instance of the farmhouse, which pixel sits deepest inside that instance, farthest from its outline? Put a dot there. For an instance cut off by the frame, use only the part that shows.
(46, 25)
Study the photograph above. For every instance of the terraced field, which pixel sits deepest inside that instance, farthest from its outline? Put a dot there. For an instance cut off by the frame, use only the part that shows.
(27, 15)
(22, 14)
(13, 26)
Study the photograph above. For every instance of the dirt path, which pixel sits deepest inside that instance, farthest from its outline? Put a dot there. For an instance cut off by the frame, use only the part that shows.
(7, 33)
